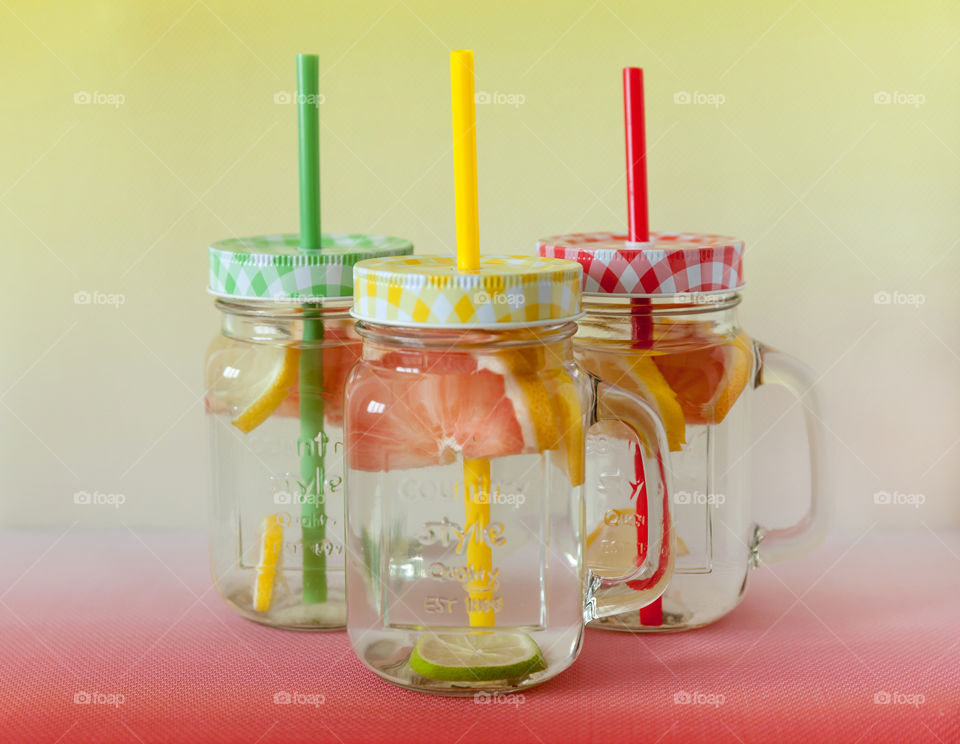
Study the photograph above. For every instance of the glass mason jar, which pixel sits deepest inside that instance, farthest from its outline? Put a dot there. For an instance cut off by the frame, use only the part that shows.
(660, 319)
(465, 447)
(274, 379)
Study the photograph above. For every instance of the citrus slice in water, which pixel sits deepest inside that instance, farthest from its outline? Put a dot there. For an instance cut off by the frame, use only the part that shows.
(709, 378)
(417, 409)
(270, 544)
(569, 415)
(638, 373)
(340, 352)
(411, 409)
(547, 404)
(249, 382)
(612, 548)
(471, 657)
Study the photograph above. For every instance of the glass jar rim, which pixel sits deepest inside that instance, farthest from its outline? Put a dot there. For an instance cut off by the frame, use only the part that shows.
(333, 307)
(417, 336)
(682, 303)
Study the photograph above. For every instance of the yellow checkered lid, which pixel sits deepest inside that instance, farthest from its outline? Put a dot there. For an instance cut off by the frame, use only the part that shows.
(430, 292)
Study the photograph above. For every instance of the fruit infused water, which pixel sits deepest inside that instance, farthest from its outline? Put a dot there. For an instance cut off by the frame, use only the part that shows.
(661, 320)
(698, 368)
(464, 432)
(277, 511)
(465, 427)
(419, 419)
(275, 379)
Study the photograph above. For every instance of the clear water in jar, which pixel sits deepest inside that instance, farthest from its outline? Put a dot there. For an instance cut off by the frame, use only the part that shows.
(277, 502)
(414, 590)
(258, 478)
(698, 379)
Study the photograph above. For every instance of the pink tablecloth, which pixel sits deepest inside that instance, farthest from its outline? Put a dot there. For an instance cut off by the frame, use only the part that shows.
(118, 636)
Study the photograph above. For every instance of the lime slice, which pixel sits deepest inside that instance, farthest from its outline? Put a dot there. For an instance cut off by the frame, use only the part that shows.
(250, 382)
(471, 657)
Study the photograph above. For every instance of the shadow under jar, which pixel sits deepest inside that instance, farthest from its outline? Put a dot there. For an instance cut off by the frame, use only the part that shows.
(274, 379)
(660, 319)
(466, 462)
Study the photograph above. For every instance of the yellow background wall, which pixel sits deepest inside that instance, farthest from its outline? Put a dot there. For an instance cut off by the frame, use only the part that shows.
(838, 197)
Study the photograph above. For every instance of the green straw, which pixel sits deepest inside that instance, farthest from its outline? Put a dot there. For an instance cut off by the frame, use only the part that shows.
(311, 445)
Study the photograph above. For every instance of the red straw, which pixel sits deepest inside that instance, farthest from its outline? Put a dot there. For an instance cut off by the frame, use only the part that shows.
(637, 210)
(641, 326)
(638, 213)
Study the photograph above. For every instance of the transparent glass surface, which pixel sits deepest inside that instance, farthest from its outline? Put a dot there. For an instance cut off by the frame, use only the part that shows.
(274, 379)
(693, 363)
(465, 524)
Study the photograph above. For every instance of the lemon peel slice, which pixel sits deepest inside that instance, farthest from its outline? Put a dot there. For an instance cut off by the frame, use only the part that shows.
(270, 546)
(638, 373)
(272, 395)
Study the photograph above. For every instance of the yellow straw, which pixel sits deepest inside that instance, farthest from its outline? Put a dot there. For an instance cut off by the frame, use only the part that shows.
(480, 588)
(465, 159)
(476, 473)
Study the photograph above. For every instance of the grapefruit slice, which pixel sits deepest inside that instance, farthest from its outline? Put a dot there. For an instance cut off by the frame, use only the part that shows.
(339, 355)
(708, 379)
(415, 408)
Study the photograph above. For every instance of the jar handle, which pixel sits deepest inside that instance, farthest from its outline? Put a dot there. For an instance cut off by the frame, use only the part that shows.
(610, 593)
(777, 368)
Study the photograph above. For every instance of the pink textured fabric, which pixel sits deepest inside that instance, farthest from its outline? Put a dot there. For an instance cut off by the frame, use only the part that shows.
(858, 642)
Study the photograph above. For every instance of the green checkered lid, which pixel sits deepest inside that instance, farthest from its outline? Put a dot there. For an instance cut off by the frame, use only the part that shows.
(272, 267)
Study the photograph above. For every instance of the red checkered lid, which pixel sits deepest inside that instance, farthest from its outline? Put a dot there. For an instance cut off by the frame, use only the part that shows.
(669, 263)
